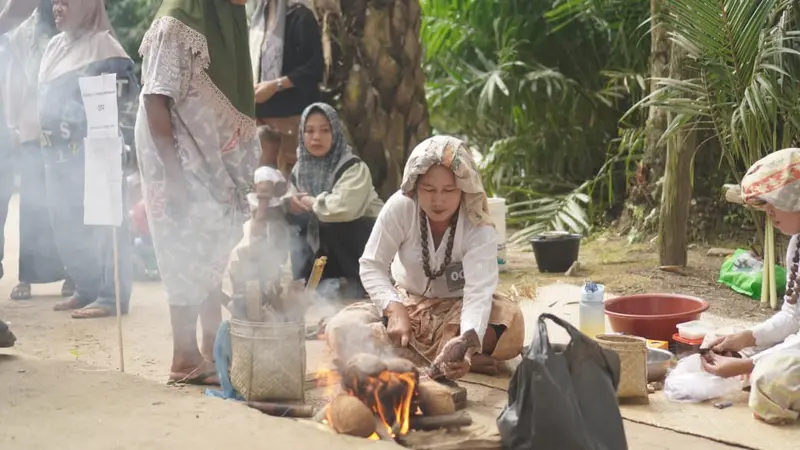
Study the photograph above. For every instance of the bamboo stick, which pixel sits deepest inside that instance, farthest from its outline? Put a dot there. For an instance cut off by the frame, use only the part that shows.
(773, 288)
(316, 273)
(765, 272)
(117, 300)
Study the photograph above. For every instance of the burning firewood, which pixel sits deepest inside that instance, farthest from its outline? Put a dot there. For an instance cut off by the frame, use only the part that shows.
(455, 420)
(454, 351)
(348, 415)
(282, 410)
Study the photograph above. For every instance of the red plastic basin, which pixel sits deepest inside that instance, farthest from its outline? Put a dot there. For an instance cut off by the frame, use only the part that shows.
(653, 316)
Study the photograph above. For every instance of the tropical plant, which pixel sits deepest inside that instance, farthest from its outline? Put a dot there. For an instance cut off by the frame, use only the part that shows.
(738, 80)
(539, 88)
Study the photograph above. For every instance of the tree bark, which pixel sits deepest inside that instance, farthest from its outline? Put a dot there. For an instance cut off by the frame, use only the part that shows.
(375, 76)
(677, 189)
(643, 190)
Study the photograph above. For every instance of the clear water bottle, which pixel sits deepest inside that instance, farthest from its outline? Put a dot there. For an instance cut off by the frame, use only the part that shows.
(592, 319)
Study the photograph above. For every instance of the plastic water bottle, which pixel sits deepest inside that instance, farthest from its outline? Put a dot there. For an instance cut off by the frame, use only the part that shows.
(592, 319)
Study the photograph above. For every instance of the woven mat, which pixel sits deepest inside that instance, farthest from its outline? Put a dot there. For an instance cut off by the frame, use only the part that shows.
(734, 425)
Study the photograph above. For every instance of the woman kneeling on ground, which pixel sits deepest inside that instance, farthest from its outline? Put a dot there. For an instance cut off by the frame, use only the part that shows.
(771, 349)
(333, 205)
(440, 216)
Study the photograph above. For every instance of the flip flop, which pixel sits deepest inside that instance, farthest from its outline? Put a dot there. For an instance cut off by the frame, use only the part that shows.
(69, 304)
(196, 378)
(22, 291)
(93, 312)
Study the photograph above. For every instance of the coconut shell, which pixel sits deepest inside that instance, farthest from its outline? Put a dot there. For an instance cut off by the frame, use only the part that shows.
(399, 365)
(364, 364)
(435, 399)
(348, 415)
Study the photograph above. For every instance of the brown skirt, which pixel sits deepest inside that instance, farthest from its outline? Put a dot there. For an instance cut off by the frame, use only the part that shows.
(359, 328)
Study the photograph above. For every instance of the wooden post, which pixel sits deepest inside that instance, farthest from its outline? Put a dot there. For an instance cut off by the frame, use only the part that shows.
(117, 300)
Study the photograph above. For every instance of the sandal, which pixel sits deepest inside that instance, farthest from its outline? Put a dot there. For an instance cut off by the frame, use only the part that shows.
(21, 291)
(68, 288)
(93, 312)
(197, 377)
(72, 303)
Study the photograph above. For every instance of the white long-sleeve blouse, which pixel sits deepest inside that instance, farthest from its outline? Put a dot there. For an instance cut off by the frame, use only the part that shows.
(781, 330)
(395, 244)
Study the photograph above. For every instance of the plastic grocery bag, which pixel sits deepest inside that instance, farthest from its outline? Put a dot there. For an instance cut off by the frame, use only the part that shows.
(689, 383)
(563, 396)
(743, 272)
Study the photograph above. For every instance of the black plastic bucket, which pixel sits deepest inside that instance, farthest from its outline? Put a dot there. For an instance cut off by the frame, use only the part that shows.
(556, 252)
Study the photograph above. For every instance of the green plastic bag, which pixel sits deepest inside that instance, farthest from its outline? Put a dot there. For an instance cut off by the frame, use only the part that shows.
(743, 272)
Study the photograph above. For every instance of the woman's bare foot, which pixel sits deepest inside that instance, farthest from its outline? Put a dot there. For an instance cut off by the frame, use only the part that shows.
(485, 364)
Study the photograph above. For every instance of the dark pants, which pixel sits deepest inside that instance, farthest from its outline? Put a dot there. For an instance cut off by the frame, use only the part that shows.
(342, 243)
(87, 250)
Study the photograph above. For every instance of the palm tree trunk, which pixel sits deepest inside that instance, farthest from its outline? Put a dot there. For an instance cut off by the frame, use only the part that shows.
(676, 197)
(375, 78)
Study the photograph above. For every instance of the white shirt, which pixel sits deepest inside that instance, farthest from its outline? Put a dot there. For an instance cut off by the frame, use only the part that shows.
(781, 330)
(396, 243)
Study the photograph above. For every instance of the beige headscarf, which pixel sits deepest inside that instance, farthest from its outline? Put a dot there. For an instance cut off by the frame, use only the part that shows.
(95, 42)
(453, 154)
(774, 179)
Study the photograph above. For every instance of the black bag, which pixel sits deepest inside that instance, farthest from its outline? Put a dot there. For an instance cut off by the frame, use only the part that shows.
(563, 397)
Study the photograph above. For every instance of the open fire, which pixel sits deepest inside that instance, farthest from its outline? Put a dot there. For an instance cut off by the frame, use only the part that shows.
(388, 389)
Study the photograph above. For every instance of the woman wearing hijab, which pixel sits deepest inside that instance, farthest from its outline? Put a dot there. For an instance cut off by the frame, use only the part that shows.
(334, 205)
(85, 47)
(770, 350)
(39, 261)
(198, 149)
(441, 216)
(288, 66)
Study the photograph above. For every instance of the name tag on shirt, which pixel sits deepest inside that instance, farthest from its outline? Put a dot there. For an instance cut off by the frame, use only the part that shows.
(455, 277)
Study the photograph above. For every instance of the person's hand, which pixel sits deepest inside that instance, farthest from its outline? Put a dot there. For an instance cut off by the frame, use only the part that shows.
(456, 370)
(725, 366)
(399, 326)
(296, 206)
(265, 90)
(308, 202)
(733, 343)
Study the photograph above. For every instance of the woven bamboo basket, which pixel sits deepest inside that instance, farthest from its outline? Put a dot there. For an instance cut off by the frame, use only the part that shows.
(632, 353)
(269, 360)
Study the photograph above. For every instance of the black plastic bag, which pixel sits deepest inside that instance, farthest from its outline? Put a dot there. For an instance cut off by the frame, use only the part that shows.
(563, 397)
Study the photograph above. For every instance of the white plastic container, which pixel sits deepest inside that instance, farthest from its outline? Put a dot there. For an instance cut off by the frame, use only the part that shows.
(592, 317)
(695, 329)
(498, 210)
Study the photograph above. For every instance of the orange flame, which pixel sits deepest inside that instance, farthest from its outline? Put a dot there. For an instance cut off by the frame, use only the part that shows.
(330, 380)
(375, 388)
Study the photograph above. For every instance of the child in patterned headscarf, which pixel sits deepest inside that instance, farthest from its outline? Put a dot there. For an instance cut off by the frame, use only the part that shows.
(772, 348)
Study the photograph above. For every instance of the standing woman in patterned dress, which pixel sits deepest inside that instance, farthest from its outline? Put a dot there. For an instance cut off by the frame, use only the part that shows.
(198, 149)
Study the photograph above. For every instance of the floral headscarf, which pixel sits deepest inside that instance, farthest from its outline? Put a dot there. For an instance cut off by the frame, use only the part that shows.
(453, 154)
(774, 179)
(316, 175)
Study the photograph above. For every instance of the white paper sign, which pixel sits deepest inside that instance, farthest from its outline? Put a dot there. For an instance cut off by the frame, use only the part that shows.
(100, 102)
(102, 197)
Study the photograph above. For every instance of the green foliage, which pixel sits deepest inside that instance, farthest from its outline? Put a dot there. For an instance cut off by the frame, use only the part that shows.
(539, 88)
(131, 19)
(748, 65)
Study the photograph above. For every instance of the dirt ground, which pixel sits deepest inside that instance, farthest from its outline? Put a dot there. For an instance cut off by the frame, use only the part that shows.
(68, 351)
